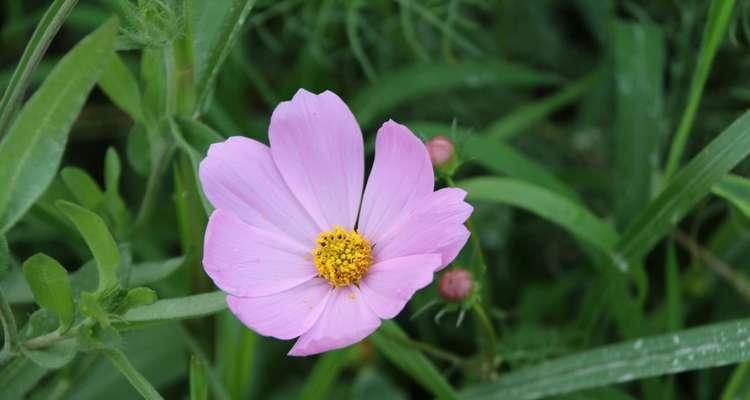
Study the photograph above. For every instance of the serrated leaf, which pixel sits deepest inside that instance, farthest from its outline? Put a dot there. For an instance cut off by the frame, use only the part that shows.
(50, 285)
(31, 151)
(97, 237)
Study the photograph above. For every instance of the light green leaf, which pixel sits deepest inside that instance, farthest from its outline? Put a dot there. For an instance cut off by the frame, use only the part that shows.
(692, 349)
(686, 189)
(220, 49)
(30, 153)
(554, 207)
(50, 285)
(198, 382)
(420, 80)
(736, 190)
(137, 297)
(19, 377)
(83, 187)
(178, 308)
(119, 84)
(37, 45)
(139, 382)
(100, 241)
(639, 68)
(411, 361)
(324, 374)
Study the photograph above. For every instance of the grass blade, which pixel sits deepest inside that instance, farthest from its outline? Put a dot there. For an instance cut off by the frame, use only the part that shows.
(411, 361)
(51, 22)
(639, 65)
(31, 151)
(222, 45)
(324, 374)
(692, 349)
(686, 189)
(719, 15)
(421, 80)
(736, 190)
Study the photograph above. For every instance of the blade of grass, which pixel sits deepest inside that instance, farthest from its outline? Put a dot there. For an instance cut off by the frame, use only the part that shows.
(218, 52)
(411, 361)
(698, 348)
(51, 22)
(324, 374)
(686, 189)
(639, 65)
(719, 15)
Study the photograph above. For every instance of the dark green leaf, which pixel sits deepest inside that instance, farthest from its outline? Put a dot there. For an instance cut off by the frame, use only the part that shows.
(139, 382)
(324, 374)
(736, 190)
(119, 84)
(30, 153)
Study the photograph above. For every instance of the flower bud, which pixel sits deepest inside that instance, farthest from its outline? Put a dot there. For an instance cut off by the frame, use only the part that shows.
(440, 149)
(455, 284)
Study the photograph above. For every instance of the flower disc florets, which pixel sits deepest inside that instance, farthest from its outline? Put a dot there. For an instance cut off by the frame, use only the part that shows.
(342, 257)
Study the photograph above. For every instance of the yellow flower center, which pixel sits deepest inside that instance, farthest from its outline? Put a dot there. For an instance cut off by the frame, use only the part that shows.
(341, 256)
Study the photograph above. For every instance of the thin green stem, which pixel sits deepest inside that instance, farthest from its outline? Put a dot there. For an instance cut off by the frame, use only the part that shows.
(139, 382)
(490, 338)
(428, 348)
(10, 330)
(153, 185)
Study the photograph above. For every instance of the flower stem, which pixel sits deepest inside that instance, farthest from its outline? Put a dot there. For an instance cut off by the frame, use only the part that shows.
(490, 339)
(10, 331)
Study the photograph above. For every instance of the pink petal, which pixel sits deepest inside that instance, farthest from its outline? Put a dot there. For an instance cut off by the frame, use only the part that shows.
(240, 176)
(401, 177)
(246, 261)
(390, 284)
(283, 315)
(317, 146)
(346, 320)
(436, 226)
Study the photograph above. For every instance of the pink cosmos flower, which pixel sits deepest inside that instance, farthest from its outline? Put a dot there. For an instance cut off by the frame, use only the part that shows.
(298, 248)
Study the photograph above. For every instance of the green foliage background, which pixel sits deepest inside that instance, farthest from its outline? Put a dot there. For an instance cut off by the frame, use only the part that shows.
(601, 142)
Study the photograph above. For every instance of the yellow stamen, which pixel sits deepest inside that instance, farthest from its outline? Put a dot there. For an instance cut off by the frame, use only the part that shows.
(341, 256)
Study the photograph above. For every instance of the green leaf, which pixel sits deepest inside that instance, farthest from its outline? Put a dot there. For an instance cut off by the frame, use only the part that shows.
(139, 382)
(719, 15)
(154, 271)
(119, 84)
(137, 150)
(137, 297)
(50, 285)
(30, 153)
(89, 305)
(736, 190)
(198, 382)
(738, 386)
(371, 384)
(686, 189)
(83, 187)
(554, 207)
(324, 374)
(692, 349)
(19, 377)
(54, 356)
(37, 45)
(218, 52)
(100, 242)
(420, 80)
(639, 68)
(178, 308)
(411, 361)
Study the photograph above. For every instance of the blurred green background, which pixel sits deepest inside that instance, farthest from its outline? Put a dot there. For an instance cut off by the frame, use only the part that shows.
(580, 97)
